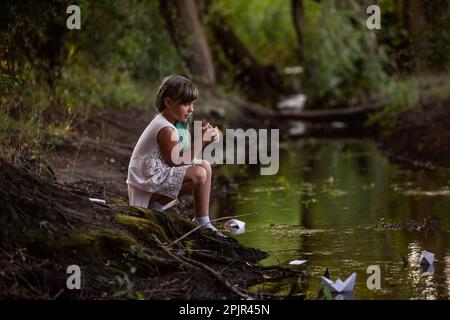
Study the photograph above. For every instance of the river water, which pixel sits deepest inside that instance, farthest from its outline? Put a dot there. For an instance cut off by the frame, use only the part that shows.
(322, 207)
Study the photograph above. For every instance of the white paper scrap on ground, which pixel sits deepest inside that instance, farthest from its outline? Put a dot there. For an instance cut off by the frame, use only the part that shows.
(95, 200)
(426, 257)
(297, 262)
(158, 207)
(339, 285)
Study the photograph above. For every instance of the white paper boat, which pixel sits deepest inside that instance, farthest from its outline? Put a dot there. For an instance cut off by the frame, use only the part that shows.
(297, 262)
(426, 257)
(234, 223)
(95, 200)
(234, 226)
(339, 285)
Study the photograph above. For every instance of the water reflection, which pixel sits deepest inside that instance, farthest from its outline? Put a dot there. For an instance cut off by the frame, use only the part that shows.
(429, 268)
(323, 204)
(447, 273)
(422, 280)
(344, 296)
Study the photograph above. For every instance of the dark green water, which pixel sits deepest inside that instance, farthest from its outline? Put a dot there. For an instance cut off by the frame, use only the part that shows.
(322, 207)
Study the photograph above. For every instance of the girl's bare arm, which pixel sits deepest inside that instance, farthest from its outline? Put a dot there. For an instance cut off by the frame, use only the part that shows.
(172, 151)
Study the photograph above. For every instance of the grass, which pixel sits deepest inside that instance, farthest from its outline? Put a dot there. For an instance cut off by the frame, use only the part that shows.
(22, 135)
(410, 92)
(34, 115)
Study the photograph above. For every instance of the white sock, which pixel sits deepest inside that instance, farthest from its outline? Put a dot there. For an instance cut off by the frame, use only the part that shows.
(204, 220)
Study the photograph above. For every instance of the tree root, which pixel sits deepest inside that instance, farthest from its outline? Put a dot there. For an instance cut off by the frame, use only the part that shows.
(204, 268)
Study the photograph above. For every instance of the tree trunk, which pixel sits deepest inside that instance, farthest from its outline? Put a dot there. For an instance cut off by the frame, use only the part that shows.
(399, 5)
(259, 82)
(414, 17)
(183, 23)
(415, 24)
(297, 14)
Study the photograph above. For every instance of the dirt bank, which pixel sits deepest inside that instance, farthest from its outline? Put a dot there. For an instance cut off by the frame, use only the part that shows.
(48, 223)
(123, 252)
(418, 137)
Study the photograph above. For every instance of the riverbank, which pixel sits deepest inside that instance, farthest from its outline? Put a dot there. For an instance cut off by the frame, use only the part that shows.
(419, 137)
(49, 224)
(123, 252)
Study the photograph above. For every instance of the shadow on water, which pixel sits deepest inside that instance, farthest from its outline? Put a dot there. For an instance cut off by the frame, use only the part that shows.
(322, 206)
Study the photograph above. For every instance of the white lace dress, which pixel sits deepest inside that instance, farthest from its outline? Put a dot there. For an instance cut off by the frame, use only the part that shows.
(148, 171)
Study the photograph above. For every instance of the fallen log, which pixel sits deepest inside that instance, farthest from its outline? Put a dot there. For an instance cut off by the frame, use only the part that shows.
(350, 114)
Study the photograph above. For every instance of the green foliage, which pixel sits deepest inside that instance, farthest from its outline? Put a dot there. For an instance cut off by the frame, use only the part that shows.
(416, 50)
(402, 95)
(21, 121)
(82, 87)
(128, 291)
(50, 75)
(6, 82)
(342, 57)
(130, 36)
(31, 36)
(35, 113)
(409, 92)
(264, 26)
(119, 42)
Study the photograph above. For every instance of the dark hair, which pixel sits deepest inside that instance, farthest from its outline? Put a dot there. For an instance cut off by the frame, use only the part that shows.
(177, 88)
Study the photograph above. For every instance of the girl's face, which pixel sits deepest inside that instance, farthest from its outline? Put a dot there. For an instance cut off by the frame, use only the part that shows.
(178, 111)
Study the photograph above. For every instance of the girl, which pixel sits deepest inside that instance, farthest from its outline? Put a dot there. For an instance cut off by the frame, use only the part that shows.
(158, 172)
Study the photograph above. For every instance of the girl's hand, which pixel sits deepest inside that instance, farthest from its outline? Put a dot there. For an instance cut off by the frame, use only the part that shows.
(213, 132)
(205, 127)
(215, 136)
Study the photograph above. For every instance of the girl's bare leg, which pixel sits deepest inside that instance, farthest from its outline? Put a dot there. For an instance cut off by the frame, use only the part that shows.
(194, 179)
(197, 179)
(202, 194)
